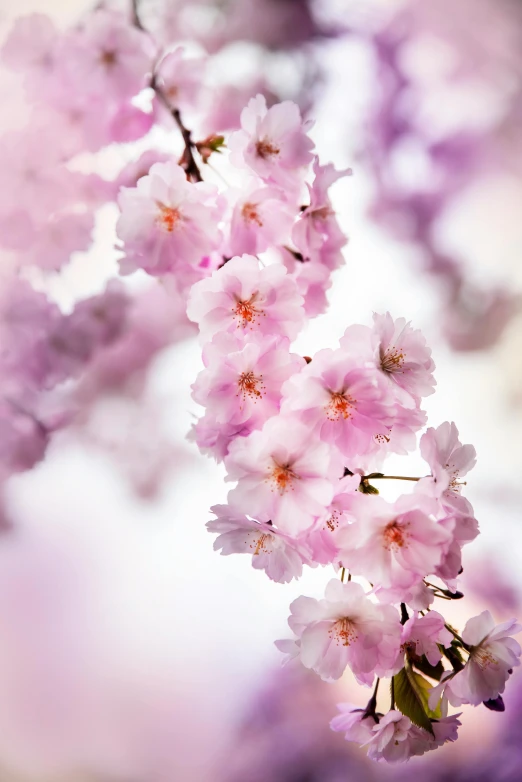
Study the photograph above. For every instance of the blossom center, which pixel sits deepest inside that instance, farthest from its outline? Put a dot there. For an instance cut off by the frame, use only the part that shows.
(392, 360)
(250, 385)
(343, 632)
(483, 658)
(333, 522)
(247, 311)
(108, 58)
(394, 536)
(168, 217)
(261, 544)
(339, 406)
(265, 149)
(250, 214)
(283, 477)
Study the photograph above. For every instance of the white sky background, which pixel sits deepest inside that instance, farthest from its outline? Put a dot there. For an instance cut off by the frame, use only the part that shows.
(163, 613)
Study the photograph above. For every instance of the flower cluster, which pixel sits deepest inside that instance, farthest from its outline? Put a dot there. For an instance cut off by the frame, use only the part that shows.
(303, 439)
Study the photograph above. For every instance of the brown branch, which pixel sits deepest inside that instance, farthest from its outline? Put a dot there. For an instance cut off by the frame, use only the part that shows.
(187, 161)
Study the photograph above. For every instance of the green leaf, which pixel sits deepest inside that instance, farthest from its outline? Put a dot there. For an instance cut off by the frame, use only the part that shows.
(411, 692)
(433, 671)
(367, 488)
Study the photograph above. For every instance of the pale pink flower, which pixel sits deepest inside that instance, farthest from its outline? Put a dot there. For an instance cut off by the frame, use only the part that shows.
(422, 634)
(354, 723)
(419, 596)
(261, 218)
(322, 537)
(393, 545)
(392, 739)
(317, 234)
(449, 461)
(242, 381)
(340, 400)
(246, 298)
(464, 529)
(214, 439)
(272, 142)
(492, 657)
(444, 729)
(166, 222)
(284, 475)
(272, 551)
(398, 351)
(107, 56)
(313, 281)
(346, 629)
(181, 78)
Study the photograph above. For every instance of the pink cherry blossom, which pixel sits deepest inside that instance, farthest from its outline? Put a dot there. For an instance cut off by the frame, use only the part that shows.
(463, 529)
(393, 545)
(317, 234)
(214, 439)
(392, 740)
(242, 381)
(398, 351)
(344, 403)
(322, 537)
(313, 281)
(261, 218)
(354, 723)
(444, 729)
(282, 475)
(493, 655)
(422, 634)
(272, 143)
(449, 461)
(166, 222)
(243, 297)
(272, 551)
(346, 630)
(181, 78)
(108, 56)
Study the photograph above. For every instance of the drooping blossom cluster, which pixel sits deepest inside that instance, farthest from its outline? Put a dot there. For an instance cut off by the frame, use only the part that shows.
(303, 439)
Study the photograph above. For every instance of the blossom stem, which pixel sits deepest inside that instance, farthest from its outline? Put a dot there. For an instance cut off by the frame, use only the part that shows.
(392, 692)
(188, 160)
(371, 706)
(379, 477)
(343, 571)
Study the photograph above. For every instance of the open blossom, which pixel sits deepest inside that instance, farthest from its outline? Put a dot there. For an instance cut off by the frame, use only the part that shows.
(317, 234)
(493, 655)
(354, 723)
(393, 545)
(322, 537)
(272, 143)
(243, 297)
(261, 218)
(282, 475)
(398, 351)
(242, 380)
(167, 222)
(391, 740)
(272, 551)
(108, 56)
(422, 634)
(449, 461)
(444, 729)
(345, 629)
(345, 403)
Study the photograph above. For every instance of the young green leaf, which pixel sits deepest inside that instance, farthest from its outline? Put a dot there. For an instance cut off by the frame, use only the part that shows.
(411, 692)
